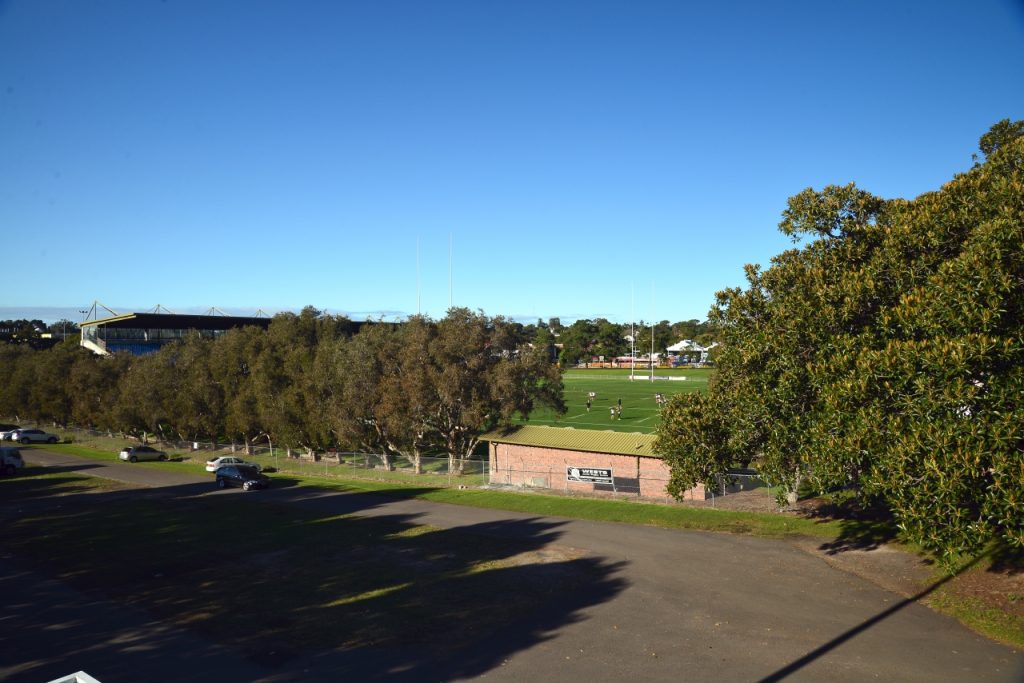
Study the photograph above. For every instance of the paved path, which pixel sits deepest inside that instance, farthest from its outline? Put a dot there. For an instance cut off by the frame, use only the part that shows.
(676, 606)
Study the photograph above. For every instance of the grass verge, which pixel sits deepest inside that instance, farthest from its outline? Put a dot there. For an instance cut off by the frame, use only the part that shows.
(625, 512)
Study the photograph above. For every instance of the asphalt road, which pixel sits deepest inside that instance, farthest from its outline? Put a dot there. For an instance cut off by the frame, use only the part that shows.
(670, 606)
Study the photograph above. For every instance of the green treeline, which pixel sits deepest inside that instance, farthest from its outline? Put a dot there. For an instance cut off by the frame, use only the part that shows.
(884, 354)
(308, 382)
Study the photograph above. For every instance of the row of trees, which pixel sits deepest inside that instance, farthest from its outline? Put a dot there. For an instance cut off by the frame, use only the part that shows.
(585, 339)
(309, 381)
(885, 354)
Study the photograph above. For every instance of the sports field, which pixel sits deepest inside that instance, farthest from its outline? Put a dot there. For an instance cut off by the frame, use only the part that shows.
(640, 412)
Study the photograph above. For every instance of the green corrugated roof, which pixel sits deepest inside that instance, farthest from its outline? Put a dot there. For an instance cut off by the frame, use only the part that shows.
(589, 440)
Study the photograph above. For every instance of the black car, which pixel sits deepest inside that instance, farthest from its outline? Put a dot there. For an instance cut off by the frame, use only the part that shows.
(241, 475)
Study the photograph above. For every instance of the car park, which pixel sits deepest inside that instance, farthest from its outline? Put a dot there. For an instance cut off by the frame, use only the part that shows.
(136, 453)
(216, 463)
(245, 477)
(10, 461)
(27, 436)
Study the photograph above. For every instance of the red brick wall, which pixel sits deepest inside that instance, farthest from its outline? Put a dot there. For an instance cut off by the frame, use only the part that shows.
(541, 467)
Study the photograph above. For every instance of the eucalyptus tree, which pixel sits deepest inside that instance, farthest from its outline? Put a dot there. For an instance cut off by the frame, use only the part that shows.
(17, 368)
(232, 361)
(358, 368)
(93, 388)
(291, 402)
(141, 405)
(482, 380)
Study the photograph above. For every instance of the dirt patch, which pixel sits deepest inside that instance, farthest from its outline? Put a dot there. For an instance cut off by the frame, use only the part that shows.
(997, 588)
(892, 569)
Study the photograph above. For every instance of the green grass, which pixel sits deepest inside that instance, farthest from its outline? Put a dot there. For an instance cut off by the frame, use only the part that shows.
(987, 619)
(640, 411)
(174, 465)
(625, 512)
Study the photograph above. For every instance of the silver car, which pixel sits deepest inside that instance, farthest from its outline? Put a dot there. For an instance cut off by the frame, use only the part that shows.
(213, 465)
(27, 436)
(136, 453)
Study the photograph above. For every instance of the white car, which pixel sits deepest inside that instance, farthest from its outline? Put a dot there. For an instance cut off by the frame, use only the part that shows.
(212, 465)
(27, 436)
(7, 431)
(136, 453)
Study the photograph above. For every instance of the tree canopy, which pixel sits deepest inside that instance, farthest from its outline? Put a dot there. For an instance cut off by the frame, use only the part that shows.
(884, 353)
(310, 381)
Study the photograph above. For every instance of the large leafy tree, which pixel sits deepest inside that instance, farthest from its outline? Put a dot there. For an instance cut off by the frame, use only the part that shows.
(884, 353)
(481, 379)
(232, 361)
(577, 342)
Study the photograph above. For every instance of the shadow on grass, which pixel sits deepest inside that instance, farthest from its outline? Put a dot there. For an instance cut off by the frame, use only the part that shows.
(24, 488)
(310, 591)
(1007, 560)
(861, 527)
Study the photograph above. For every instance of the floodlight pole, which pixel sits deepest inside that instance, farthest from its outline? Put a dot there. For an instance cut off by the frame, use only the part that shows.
(652, 332)
(632, 334)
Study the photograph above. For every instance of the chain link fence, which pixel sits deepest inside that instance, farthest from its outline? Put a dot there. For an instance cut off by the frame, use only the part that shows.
(433, 471)
(742, 489)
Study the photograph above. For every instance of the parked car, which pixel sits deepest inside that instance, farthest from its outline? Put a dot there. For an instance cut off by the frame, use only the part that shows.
(136, 453)
(10, 461)
(245, 476)
(6, 430)
(213, 465)
(27, 436)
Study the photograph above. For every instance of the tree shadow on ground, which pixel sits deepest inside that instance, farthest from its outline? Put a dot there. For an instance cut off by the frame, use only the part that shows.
(277, 589)
(861, 526)
(1007, 560)
(24, 488)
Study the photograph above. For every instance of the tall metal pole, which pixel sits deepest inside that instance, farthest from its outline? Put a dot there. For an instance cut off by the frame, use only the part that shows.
(632, 333)
(652, 331)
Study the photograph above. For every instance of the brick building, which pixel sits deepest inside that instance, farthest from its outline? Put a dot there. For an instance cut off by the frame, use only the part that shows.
(616, 464)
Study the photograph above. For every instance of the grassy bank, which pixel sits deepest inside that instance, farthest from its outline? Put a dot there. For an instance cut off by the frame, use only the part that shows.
(625, 512)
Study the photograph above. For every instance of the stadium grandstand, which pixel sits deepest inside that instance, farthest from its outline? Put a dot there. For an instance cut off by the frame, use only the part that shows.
(142, 333)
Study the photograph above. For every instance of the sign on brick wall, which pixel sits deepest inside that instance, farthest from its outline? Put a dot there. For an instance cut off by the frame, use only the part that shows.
(589, 475)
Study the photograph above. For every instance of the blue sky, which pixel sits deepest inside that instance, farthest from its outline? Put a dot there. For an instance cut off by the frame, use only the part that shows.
(585, 159)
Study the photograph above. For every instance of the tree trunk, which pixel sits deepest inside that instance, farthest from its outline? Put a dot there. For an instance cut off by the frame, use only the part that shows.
(793, 495)
(248, 445)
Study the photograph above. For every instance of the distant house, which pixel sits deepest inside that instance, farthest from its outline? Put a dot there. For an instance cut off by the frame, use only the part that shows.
(690, 351)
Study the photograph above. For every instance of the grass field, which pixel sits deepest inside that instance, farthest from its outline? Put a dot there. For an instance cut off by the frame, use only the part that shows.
(640, 412)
